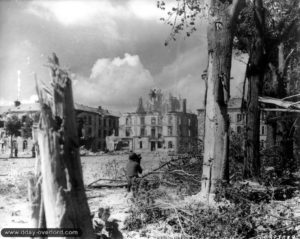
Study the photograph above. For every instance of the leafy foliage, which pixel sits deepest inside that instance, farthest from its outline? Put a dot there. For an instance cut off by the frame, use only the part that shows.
(183, 17)
(26, 128)
(236, 156)
(240, 213)
(143, 210)
(13, 125)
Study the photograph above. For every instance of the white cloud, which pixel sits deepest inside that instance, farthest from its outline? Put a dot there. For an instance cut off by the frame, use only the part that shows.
(30, 100)
(115, 83)
(68, 12)
(145, 9)
(183, 76)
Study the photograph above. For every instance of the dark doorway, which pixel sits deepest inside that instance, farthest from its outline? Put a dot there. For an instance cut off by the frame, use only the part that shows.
(152, 146)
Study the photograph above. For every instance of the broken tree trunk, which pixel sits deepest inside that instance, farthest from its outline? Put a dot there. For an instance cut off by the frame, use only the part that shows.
(63, 193)
(221, 20)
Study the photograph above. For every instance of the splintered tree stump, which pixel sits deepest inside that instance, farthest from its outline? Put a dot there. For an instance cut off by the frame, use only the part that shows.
(35, 199)
(64, 198)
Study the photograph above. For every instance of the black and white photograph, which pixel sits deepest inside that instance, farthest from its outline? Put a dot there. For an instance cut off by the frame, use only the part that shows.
(150, 119)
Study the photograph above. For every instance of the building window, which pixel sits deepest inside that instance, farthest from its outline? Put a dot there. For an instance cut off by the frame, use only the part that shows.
(90, 120)
(153, 120)
(170, 130)
(189, 122)
(105, 122)
(179, 121)
(239, 129)
(142, 120)
(25, 145)
(239, 117)
(128, 121)
(143, 130)
(159, 145)
(152, 132)
(89, 131)
(100, 121)
(262, 130)
(170, 144)
(189, 133)
(170, 118)
(99, 132)
(262, 143)
(179, 131)
(127, 132)
(263, 115)
(141, 144)
(159, 120)
(159, 133)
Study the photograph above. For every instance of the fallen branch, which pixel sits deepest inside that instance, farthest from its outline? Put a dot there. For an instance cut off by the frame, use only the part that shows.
(97, 196)
(163, 165)
(280, 103)
(282, 110)
(106, 179)
(110, 186)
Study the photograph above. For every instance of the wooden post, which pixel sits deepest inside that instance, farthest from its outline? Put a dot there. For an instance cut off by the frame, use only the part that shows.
(63, 193)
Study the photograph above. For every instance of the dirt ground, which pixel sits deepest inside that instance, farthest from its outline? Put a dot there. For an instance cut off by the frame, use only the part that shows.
(14, 174)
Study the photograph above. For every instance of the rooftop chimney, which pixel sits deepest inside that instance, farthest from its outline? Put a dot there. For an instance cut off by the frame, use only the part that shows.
(17, 103)
(140, 108)
(184, 105)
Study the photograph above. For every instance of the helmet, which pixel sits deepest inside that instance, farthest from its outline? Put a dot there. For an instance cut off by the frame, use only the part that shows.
(134, 156)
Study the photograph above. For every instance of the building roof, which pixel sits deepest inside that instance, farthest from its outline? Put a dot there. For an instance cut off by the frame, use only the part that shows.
(34, 107)
(80, 107)
(23, 108)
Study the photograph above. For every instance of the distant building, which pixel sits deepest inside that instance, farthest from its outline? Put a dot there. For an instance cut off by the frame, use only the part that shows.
(26, 110)
(164, 124)
(237, 120)
(94, 124)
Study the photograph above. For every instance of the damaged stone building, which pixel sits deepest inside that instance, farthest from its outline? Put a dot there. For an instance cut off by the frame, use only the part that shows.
(94, 124)
(163, 124)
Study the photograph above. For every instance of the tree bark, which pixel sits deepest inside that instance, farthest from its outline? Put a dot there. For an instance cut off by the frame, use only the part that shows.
(64, 198)
(296, 144)
(216, 140)
(255, 74)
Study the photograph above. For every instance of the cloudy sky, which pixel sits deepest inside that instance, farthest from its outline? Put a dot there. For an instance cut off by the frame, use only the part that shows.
(114, 49)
